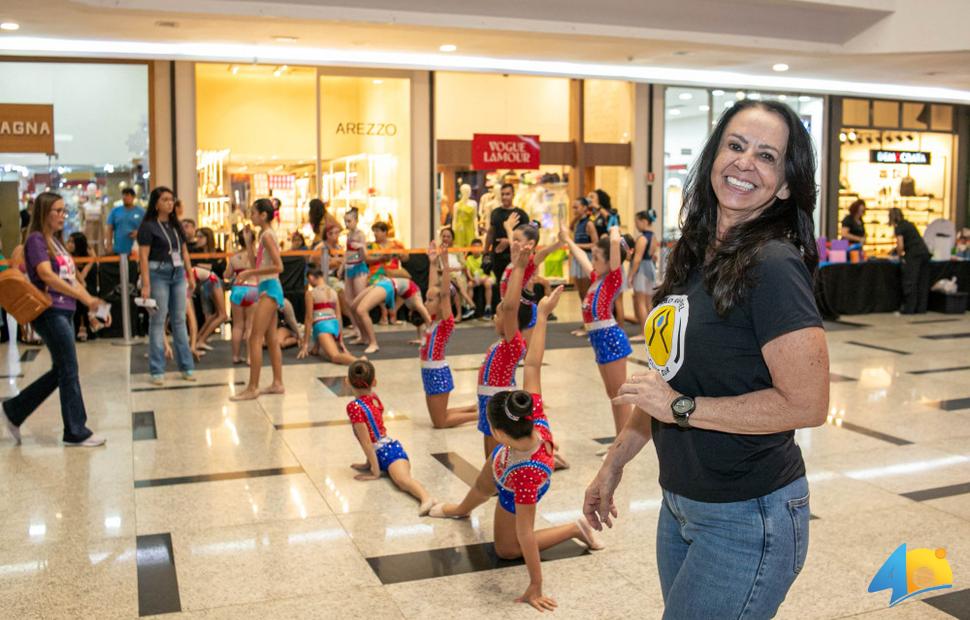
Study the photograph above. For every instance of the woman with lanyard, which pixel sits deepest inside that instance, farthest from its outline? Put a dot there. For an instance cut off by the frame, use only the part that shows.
(163, 260)
(50, 267)
(739, 361)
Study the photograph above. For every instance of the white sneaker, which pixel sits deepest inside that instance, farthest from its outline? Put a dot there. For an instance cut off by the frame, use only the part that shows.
(91, 442)
(13, 430)
(157, 380)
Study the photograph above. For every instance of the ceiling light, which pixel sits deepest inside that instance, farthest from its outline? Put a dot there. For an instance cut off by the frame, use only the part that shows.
(284, 38)
(10, 26)
(739, 95)
(804, 98)
(843, 137)
(717, 93)
(674, 112)
(704, 108)
(685, 96)
(448, 47)
(378, 81)
(852, 136)
(782, 97)
(779, 67)
(754, 96)
(728, 104)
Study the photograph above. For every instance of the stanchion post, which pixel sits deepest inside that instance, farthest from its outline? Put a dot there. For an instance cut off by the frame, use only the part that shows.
(127, 340)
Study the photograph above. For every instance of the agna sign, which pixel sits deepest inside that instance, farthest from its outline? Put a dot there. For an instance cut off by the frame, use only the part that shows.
(491, 151)
(26, 128)
(921, 158)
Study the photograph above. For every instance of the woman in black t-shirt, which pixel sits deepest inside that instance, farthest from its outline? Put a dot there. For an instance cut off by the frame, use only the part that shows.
(739, 362)
(853, 228)
(914, 259)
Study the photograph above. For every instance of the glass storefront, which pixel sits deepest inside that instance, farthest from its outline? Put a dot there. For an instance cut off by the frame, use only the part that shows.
(101, 117)
(690, 116)
(896, 154)
(259, 134)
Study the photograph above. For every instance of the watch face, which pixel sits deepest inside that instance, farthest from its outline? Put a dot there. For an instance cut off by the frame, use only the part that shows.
(683, 405)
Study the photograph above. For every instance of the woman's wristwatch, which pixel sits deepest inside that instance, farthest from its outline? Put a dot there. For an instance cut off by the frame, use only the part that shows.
(682, 408)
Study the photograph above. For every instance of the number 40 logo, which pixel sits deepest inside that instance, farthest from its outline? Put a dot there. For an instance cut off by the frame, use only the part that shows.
(912, 572)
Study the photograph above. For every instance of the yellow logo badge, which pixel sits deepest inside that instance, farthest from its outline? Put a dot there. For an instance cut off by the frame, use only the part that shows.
(664, 333)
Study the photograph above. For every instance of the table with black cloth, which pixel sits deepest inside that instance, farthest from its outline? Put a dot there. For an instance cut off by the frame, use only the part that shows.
(874, 286)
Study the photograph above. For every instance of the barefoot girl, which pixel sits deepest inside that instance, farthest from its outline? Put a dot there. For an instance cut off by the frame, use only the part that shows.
(387, 291)
(213, 299)
(243, 295)
(435, 373)
(643, 273)
(268, 267)
(323, 321)
(520, 469)
(608, 339)
(366, 413)
(355, 263)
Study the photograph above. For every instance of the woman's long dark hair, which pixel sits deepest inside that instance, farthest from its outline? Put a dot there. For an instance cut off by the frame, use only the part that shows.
(43, 203)
(318, 215)
(727, 271)
(151, 213)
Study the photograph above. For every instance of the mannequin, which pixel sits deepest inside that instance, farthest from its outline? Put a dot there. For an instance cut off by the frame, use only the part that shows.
(489, 202)
(463, 218)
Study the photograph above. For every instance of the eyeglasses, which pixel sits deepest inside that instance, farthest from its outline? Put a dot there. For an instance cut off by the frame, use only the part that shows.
(58, 211)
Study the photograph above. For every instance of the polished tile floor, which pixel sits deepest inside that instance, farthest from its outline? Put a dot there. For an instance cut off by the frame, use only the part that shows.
(206, 508)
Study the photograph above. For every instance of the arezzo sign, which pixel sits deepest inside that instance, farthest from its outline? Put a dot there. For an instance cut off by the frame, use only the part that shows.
(492, 151)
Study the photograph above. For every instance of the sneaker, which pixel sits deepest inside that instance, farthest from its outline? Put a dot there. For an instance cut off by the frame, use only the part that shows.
(467, 313)
(188, 375)
(13, 430)
(157, 380)
(91, 442)
(488, 314)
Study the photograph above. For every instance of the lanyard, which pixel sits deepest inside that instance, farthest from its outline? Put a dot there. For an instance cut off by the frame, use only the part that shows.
(178, 243)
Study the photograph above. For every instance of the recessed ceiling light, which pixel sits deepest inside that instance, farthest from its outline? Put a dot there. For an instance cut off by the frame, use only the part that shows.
(685, 96)
(674, 112)
(754, 96)
(284, 38)
(717, 93)
(10, 26)
(804, 98)
(782, 97)
(448, 47)
(739, 95)
(779, 67)
(704, 108)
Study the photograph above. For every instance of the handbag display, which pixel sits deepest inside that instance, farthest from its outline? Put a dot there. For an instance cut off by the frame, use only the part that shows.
(20, 297)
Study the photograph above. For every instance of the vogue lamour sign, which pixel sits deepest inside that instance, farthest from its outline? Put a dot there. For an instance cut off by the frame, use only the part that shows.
(920, 158)
(491, 151)
(26, 128)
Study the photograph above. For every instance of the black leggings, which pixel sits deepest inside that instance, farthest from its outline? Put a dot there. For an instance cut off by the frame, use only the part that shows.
(916, 283)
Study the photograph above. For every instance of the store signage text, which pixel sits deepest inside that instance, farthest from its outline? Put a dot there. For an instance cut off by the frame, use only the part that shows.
(368, 129)
(491, 151)
(921, 158)
(26, 128)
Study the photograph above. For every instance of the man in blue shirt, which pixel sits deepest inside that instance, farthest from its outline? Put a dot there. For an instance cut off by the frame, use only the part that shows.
(123, 223)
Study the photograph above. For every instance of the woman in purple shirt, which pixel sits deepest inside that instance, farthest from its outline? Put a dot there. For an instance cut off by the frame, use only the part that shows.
(51, 269)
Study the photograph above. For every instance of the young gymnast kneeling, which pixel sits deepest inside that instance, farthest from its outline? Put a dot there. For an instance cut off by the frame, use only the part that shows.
(323, 322)
(366, 412)
(435, 373)
(520, 469)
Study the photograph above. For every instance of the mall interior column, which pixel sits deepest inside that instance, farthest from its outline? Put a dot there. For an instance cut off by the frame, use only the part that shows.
(186, 178)
(422, 175)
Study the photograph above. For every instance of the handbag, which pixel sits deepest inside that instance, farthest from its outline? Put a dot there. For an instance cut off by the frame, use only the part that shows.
(20, 297)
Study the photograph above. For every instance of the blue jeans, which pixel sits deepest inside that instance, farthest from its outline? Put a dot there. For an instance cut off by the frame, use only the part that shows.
(734, 559)
(56, 327)
(168, 290)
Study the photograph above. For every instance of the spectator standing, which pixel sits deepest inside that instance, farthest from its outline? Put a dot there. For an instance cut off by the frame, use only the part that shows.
(123, 223)
(496, 241)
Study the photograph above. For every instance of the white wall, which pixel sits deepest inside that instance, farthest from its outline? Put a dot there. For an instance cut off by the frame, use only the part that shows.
(100, 110)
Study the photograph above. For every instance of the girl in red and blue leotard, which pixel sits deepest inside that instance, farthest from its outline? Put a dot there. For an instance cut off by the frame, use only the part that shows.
(435, 373)
(520, 469)
(608, 339)
(366, 413)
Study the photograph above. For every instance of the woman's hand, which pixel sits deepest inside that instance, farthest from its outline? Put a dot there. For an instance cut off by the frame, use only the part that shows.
(649, 393)
(598, 506)
(533, 596)
(191, 285)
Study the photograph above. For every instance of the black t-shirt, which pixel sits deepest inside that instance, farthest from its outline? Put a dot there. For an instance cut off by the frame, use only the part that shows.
(913, 244)
(701, 354)
(161, 238)
(855, 228)
(497, 222)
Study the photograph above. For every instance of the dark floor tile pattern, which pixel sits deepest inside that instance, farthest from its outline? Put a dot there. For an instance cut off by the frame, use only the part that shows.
(868, 432)
(458, 466)
(877, 347)
(184, 386)
(957, 604)
(929, 321)
(158, 588)
(346, 422)
(337, 385)
(420, 565)
(20, 376)
(231, 475)
(29, 355)
(938, 492)
(953, 404)
(143, 426)
(946, 336)
(936, 370)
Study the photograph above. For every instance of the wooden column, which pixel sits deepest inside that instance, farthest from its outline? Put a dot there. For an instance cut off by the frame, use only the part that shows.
(577, 179)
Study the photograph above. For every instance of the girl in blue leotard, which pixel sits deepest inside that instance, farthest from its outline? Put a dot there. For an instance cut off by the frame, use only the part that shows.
(324, 321)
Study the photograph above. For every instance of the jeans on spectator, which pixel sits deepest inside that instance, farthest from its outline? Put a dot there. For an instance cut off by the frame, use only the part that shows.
(732, 559)
(168, 290)
(56, 327)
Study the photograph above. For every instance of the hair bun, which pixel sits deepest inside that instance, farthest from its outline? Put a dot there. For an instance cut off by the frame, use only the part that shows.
(519, 404)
